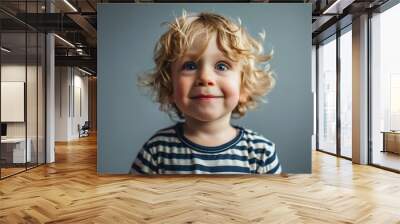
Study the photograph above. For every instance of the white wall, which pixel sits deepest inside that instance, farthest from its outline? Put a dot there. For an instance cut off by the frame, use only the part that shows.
(70, 83)
(9, 73)
(16, 72)
(79, 112)
(62, 81)
(33, 126)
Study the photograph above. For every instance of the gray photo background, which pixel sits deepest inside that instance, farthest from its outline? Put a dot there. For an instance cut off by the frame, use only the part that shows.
(127, 117)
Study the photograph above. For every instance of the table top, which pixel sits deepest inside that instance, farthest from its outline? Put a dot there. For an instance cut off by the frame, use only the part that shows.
(391, 132)
(13, 140)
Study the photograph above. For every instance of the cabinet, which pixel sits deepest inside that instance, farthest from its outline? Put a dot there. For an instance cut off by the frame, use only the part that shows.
(13, 150)
(391, 141)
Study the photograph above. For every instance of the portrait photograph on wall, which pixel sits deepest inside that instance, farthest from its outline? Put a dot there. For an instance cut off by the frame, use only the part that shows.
(222, 88)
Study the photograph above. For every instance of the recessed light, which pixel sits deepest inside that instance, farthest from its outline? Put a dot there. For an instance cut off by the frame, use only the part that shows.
(64, 40)
(86, 72)
(71, 6)
(5, 50)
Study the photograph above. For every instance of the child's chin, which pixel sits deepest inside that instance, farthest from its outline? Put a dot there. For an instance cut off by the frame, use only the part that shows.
(206, 117)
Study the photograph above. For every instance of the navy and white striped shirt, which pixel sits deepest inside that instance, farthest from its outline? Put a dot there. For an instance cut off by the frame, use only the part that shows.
(170, 152)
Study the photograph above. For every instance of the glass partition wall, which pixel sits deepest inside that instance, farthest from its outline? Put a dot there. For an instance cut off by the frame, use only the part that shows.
(346, 92)
(334, 94)
(327, 95)
(22, 88)
(385, 89)
(13, 89)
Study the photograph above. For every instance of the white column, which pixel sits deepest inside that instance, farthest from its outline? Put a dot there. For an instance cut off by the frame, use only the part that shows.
(63, 99)
(360, 90)
(50, 91)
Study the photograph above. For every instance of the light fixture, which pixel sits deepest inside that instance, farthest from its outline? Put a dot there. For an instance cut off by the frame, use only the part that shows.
(86, 72)
(70, 5)
(65, 41)
(79, 51)
(5, 50)
(329, 9)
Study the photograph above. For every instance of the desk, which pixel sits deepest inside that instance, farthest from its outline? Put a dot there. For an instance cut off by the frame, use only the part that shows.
(391, 141)
(15, 148)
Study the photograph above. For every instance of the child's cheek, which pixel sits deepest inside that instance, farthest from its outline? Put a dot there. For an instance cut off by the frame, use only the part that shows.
(181, 90)
(233, 88)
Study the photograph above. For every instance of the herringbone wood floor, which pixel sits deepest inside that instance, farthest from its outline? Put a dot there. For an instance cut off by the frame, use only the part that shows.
(70, 191)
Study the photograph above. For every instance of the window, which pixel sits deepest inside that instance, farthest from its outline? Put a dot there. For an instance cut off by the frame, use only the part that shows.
(385, 88)
(346, 75)
(327, 95)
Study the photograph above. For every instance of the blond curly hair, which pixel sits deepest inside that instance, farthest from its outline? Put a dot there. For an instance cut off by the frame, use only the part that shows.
(232, 39)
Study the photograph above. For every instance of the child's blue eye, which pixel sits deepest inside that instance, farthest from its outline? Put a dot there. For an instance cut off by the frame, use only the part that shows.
(189, 66)
(222, 66)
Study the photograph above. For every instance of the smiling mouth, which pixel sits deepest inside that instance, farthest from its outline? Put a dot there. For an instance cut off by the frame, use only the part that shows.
(206, 97)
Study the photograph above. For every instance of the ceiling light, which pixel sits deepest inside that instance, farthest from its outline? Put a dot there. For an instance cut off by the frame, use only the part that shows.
(5, 49)
(86, 72)
(329, 9)
(70, 5)
(79, 51)
(64, 40)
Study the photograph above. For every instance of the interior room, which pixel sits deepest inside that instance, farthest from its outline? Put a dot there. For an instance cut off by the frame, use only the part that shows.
(54, 132)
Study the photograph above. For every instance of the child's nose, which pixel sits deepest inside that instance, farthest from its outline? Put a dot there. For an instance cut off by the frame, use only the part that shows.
(205, 83)
(205, 78)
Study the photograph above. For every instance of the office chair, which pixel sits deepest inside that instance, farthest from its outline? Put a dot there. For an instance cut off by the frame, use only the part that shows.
(84, 130)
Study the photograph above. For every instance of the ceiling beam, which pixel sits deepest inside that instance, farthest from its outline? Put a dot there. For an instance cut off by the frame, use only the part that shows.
(84, 61)
(86, 26)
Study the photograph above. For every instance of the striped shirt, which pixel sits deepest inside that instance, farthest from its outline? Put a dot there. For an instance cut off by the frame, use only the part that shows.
(170, 152)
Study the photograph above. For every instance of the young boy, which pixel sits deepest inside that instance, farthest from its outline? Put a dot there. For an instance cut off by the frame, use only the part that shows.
(205, 74)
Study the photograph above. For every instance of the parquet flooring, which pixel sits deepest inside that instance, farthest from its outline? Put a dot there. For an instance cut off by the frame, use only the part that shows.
(387, 159)
(70, 191)
(10, 171)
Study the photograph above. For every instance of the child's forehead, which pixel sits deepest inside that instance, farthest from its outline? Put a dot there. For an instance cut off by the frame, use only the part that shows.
(203, 45)
(200, 42)
(194, 42)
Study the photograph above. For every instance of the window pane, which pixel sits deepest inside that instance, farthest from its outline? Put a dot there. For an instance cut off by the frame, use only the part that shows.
(386, 89)
(327, 96)
(14, 152)
(31, 100)
(346, 93)
(41, 98)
